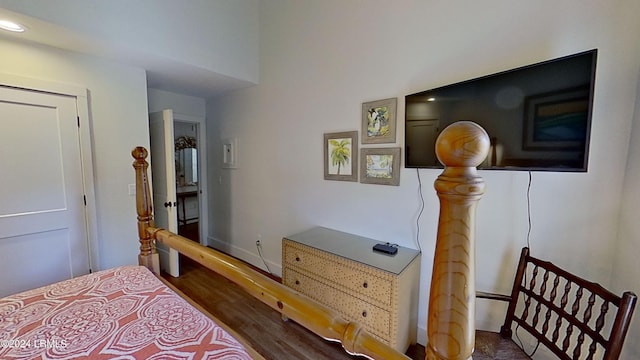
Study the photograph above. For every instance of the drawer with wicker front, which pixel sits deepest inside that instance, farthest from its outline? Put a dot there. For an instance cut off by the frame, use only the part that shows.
(341, 271)
(374, 319)
(361, 281)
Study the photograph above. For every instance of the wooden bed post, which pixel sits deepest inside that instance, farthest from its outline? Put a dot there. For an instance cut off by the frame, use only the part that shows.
(461, 147)
(148, 256)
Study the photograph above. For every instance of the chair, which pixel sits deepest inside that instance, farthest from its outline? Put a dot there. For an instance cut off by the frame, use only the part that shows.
(565, 313)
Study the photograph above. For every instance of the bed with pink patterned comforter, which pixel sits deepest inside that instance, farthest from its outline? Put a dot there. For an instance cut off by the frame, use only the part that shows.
(123, 313)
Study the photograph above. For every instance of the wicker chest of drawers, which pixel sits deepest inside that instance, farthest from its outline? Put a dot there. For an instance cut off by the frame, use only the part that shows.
(341, 271)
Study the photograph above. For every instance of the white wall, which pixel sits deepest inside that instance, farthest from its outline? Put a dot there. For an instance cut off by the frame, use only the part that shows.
(320, 60)
(626, 270)
(118, 117)
(182, 104)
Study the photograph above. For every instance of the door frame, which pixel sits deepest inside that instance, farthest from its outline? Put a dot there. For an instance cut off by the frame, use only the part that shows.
(203, 206)
(86, 156)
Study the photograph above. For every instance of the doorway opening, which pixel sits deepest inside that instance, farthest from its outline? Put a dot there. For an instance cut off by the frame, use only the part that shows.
(188, 184)
(179, 174)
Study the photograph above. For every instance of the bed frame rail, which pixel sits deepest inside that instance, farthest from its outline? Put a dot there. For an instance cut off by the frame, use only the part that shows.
(461, 147)
(319, 319)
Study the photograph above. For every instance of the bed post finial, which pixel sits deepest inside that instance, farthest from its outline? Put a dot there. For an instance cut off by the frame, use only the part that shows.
(148, 256)
(461, 147)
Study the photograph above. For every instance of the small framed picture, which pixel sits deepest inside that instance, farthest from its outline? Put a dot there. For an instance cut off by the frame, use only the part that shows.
(341, 156)
(380, 166)
(379, 121)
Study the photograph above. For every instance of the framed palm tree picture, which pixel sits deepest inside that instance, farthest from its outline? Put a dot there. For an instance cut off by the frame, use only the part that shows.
(341, 156)
(380, 166)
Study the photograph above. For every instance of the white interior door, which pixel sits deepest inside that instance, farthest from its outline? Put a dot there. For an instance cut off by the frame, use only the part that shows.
(43, 229)
(163, 175)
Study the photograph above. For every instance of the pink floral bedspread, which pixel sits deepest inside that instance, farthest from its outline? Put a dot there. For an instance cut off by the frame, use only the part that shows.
(123, 313)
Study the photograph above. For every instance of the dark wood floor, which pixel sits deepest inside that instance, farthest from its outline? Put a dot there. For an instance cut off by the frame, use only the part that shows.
(255, 321)
(279, 340)
(190, 231)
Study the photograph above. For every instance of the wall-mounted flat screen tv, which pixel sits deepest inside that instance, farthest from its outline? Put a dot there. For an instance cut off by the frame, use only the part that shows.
(538, 117)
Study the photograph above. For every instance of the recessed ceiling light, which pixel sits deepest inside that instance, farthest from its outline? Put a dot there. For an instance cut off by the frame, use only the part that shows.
(431, 99)
(11, 26)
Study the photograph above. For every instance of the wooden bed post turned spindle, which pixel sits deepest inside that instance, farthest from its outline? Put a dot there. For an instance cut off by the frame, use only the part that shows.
(461, 147)
(148, 256)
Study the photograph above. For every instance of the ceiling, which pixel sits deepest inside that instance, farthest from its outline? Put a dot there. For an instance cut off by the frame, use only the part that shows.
(163, 72)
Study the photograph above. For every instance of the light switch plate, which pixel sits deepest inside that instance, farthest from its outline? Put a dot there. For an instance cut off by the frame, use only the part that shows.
(230, 153)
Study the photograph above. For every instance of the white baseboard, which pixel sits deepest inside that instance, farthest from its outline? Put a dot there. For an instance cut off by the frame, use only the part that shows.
(252, 258)
(422, 335)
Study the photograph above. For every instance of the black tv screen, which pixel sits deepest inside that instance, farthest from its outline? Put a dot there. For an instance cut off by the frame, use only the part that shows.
(538, 117)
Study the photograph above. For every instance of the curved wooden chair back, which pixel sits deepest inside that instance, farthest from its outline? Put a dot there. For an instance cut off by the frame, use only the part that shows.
(572, 317)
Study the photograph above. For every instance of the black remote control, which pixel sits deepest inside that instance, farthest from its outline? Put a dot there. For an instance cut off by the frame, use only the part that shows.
(385, 248)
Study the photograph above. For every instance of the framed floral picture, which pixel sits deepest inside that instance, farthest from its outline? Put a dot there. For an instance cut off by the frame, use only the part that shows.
(341, 156)
(380, 166)
(379, 121)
